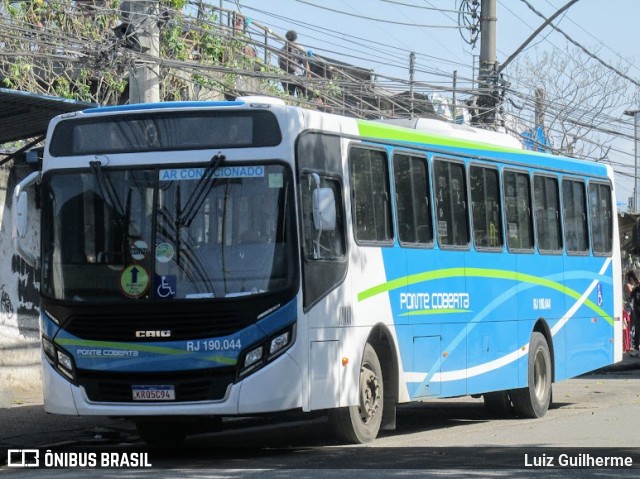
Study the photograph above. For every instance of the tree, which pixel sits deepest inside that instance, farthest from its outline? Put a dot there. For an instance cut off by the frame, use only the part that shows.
(84, 50)
(583, 100)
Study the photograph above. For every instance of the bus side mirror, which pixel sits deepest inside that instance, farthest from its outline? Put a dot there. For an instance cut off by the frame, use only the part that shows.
(20, 215)
(324, 209)
(20, 220)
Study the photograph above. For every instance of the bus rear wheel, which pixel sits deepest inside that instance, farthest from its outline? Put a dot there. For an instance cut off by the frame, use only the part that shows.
(533, 401)
(360, 424)
(498, 404)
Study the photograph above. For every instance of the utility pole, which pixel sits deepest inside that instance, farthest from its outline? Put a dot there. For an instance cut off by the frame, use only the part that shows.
(487, 99)
(144, 74)
(540, 107)
(538, 134)
(454, 99)
(634, 114)
(412, 64)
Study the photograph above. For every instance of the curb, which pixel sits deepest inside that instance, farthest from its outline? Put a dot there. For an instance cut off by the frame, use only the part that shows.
(628, 363)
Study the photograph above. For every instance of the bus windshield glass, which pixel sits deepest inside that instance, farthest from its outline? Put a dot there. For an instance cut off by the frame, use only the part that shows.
(121, 235)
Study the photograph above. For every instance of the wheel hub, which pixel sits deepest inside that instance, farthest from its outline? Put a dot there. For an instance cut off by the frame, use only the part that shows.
(539, 375)
(369, 394)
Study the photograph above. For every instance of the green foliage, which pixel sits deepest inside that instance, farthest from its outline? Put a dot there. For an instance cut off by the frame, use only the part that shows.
(173, 44)
(69, 49)
(175, 4)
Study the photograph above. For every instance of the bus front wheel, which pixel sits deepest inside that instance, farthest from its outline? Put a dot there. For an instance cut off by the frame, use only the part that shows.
(361, 423)
(533, 401)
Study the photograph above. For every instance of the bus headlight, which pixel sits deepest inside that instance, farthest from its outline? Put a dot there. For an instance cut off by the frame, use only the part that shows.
(261, 354)
(65, 361)
(279, 342)
(49, 349)
(253, 357)
(59, 359)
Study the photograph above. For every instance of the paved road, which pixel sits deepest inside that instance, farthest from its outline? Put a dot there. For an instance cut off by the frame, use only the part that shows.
(600, 410)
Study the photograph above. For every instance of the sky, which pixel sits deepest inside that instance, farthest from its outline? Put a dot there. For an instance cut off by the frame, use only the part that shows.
(380, 34)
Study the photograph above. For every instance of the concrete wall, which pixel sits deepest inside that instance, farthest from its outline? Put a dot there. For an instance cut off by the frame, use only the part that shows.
(19, 335)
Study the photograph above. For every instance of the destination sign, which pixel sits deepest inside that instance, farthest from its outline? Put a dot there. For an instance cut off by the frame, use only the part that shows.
(179, 174)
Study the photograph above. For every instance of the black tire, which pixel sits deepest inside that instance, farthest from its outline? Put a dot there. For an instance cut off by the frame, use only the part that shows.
(162, 433)
(498, 404)
(533, 401)
(361, 424)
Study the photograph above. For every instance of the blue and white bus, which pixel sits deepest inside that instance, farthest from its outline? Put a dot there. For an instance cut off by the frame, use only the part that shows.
(235, 258)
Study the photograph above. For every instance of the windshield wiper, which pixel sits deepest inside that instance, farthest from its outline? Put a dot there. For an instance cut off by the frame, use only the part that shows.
(122, 214)
(178, 230)
(107, 190)
(200, 192)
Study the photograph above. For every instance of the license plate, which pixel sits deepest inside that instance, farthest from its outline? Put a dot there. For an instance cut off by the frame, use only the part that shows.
(153, 393)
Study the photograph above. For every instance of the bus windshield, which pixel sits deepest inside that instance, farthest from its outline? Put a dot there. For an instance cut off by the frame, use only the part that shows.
(113, 235)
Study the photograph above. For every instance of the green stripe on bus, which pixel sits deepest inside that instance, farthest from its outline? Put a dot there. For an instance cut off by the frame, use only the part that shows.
(425, 312)
(371, 129)
(480, 273)
(141, 347)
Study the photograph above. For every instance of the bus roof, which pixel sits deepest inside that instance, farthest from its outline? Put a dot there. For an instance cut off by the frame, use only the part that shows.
(163, 106)
(431, 125)
(175, 105)
(423, 131)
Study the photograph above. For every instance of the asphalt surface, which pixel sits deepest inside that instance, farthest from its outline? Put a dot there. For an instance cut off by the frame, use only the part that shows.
(25, 424)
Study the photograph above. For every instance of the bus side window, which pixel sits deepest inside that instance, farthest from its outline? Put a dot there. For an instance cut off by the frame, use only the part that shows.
(320, 154)
(452, 217)
(487, 214)
(547, 214)
(370, 193)
(575, 217)
(412, 200)
(601, 212)
(326, 244)
(517, 204)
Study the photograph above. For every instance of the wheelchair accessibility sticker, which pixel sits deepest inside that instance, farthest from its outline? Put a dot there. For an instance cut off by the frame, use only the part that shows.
(600, 295)
(165, 286)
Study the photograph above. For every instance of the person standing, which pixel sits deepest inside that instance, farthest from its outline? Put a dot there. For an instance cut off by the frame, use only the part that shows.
(634, 298)
(629, 284)
(293, 60)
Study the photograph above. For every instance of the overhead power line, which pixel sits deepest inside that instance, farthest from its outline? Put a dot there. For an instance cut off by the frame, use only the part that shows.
(374, 46)
(382, 20)
(421, 6)
(82, 51)
(592, 55)
(626, 60)
(535, 33)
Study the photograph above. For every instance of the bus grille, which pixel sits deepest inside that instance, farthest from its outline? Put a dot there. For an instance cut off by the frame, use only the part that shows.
(197, 385)
(182, 326)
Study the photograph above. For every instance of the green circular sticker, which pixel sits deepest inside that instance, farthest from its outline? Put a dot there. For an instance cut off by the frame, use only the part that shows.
(134, 281)
(164, 252)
